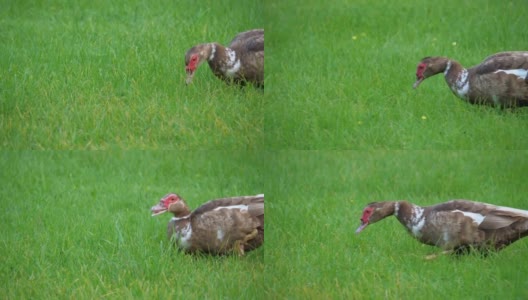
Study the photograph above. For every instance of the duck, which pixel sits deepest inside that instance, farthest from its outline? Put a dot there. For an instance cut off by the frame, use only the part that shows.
(501, 80)
(218, 227)
(456, 226)
(241, 62)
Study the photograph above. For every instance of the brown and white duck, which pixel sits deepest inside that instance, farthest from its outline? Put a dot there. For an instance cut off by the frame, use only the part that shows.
(220, 226)
(456, 226)
(241, 62)
(500, 80)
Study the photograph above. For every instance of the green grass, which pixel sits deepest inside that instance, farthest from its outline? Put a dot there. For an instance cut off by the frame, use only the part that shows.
(109, 75)
(100, 75)
(340, 74)
(317, 199)
(77, 225)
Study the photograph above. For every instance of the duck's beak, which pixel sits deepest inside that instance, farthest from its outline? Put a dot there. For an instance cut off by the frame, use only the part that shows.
(417, 83)
(361, 227)
(190, 75)
(158, 209)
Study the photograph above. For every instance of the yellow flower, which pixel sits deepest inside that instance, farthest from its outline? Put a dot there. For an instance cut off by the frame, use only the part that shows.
(454, 43)
(354, 37)
(424, 118)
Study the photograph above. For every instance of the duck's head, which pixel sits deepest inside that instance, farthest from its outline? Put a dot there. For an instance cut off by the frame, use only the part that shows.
(194, 58)
(170, 202)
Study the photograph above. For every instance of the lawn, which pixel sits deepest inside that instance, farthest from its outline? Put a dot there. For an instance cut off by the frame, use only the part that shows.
(317, 199)
(77, 225)
(337, 127)
(103, 75)
(340, 74)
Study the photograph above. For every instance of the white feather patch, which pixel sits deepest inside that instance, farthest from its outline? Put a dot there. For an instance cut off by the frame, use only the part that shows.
(447, 67)
(461, 86)
(232, 64)
(185, 236)
(232, 71)
(213, 51)
(462, 83)
(260, 195)
(181, 218)
(477, 218)
(240, 207)
(219, 234)
(231, 55)
(418, 221)
(417, 228)
(521, 73)
(446, 236)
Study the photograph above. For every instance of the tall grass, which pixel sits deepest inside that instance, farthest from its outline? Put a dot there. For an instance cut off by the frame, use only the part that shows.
(340, 74)
(99, 75)
(318, 197)
(78, 225)
(109, 75)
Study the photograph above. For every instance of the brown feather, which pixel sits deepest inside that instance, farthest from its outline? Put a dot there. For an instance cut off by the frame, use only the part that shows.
(489, 83)
(248, 47)
(217, 227)
(493, 221)
(454, 225)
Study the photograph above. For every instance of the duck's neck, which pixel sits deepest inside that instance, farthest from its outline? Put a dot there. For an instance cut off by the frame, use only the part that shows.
(180, 230)
(223, 60)
(180, 211)
(457, 77)
(410, 215)
(181, 216)
(211, 51)
(181, 221)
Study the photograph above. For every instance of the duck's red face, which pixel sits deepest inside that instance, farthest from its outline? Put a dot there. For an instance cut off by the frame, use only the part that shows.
(420, 70)
(367, 212)
(191, 63)
(420, 74)
(164, 204)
